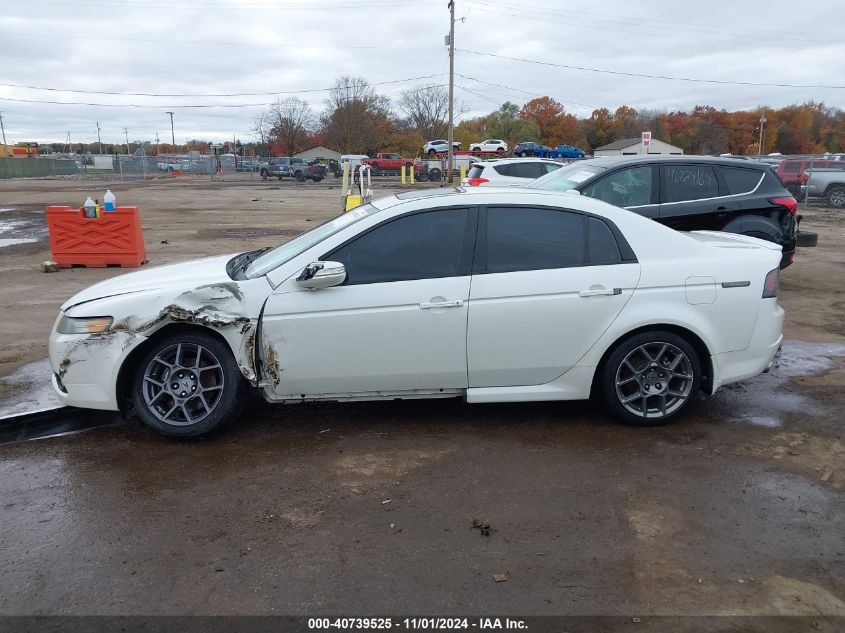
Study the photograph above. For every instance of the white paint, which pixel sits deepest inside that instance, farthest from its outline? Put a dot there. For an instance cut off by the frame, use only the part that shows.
(520, 336)
(20, 240)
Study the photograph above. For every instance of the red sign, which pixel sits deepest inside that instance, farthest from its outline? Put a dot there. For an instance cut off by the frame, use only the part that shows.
(646, 139)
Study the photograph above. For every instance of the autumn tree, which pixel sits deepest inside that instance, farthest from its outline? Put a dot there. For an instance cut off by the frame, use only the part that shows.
(555, 126)
(290, 122)
(357, 120)
(505, 124)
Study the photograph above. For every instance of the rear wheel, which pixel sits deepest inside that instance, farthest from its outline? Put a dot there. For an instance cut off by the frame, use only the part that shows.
(523, 154)
(432, 152)
(650, 378)
(300, 177)
(263, 174)
(188, 384)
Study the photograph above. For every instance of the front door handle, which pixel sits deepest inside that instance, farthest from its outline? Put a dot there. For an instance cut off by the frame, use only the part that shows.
(428, 305)
(598, 292)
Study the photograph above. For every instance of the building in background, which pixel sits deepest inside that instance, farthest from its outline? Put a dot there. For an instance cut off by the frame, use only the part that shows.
(320, 151)
(634, 147)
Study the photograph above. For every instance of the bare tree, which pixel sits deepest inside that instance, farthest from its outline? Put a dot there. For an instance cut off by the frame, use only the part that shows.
(291, 120)
(261, 129)
(427, 108)
(357, 119)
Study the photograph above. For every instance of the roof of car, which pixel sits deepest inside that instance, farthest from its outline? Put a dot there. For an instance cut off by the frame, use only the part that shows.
(613, 161)
(528, 159)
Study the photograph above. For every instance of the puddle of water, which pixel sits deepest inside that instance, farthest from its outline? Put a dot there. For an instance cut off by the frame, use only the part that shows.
(766, 396)
(12, 242)
(32, 389)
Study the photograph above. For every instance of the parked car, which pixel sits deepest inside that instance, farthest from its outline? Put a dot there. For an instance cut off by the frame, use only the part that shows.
(492, 295)
(390, 162)
(434, 147)
(509, 171)
(353, 159)
(246, 165)
(528, 148)
(292, 168)
(792, 171)
(829, 184)
(566, 151)
(690, 193)
(490, 145)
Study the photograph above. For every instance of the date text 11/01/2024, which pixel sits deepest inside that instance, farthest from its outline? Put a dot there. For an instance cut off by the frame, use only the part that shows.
(416, 623)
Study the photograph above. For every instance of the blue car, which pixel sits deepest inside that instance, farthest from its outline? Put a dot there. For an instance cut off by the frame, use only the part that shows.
(566, 151)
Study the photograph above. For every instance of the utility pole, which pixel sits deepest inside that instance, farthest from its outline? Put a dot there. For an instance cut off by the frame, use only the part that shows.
(99, 142)
(763, 120)
(172, 135)
(2, 128)
(126, 132)
(450, 158)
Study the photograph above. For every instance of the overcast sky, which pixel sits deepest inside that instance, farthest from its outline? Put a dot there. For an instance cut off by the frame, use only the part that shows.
(286, 47)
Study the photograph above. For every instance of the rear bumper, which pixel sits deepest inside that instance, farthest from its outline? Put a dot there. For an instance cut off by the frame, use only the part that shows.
(758, 357)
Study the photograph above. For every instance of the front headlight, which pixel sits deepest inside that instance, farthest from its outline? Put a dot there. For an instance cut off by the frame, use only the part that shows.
(83, 325)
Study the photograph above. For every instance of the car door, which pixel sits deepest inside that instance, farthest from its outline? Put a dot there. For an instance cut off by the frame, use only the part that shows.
(546, 284)
(397, 323)
(692, 198)
(634, 188)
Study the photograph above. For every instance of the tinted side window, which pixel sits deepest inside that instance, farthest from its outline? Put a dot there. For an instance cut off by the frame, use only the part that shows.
(601, 245)
(791, 167)
(476, 171)
(740, 180)
(624, 188)
(533, 239)
(527, 170)
(690, 182)
(504, 170)
(420, 246)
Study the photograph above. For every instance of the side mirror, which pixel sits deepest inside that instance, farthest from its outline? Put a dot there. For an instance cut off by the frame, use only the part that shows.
(322, 275)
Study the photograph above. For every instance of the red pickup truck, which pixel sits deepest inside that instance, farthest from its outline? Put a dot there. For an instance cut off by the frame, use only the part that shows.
(386, 163)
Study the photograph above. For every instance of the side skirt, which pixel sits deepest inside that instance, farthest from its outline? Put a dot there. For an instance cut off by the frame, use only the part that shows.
(363, 396)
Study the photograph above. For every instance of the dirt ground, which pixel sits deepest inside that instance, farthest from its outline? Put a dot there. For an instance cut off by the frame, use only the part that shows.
(367, 508)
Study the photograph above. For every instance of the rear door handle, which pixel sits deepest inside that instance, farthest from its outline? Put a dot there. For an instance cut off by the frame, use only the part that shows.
(428, 305)
(600, 292)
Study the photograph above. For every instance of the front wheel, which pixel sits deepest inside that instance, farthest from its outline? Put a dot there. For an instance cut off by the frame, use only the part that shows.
(188, 384)
(650, 378)
(263, 174)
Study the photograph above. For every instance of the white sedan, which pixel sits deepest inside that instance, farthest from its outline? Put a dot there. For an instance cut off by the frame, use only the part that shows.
(493, 295)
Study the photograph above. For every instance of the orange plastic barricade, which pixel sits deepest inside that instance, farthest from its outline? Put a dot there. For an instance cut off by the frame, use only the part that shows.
(113, 239)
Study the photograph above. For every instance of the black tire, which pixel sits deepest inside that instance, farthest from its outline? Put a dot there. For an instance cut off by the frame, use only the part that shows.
(150, 400)
(475, 149)
(263, 174)
(432, 152)
(618, 380)
(423, 177)
(434, 175)
(300, 177)
(500, 150)
(835, 197)
(523, 154)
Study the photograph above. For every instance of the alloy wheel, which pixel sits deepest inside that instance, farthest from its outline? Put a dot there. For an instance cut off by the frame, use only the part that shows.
(183, 384)
(654, 380)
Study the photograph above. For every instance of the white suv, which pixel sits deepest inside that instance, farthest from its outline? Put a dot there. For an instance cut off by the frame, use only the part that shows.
(490, 145)
(509, 172)
(433, 147)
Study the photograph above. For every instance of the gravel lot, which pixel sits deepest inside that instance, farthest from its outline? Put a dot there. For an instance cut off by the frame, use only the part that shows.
(368, 508)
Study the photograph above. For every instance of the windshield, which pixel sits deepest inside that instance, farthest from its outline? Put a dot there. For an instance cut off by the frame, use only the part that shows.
(566, 178)
(298, 245)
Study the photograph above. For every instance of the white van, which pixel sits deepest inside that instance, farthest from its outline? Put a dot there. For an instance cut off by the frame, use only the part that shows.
(353, 159)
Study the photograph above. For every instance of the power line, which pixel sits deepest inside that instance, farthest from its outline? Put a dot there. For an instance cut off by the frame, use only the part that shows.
(230, 94)
(527, 92)
(647, 76)
(130, 6)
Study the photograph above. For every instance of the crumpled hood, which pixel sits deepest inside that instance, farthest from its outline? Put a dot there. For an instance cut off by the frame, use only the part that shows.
(183, 275)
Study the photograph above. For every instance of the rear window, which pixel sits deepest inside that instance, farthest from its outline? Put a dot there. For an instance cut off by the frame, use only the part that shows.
(503, 170)
(790, 167)
(740, 180)
(568, 177)
(476, 171)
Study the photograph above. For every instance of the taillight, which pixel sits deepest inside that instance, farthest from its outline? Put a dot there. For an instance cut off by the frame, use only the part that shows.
(474, 182)
(790, 203)
(770, 286)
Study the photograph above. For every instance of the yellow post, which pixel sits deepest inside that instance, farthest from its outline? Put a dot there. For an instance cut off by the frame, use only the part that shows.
(463, 172)
(412, 174)
(402, 171)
